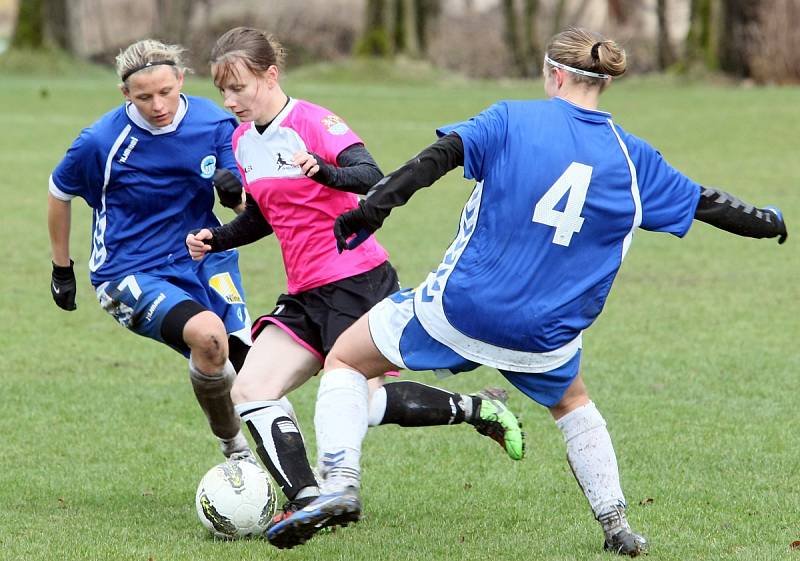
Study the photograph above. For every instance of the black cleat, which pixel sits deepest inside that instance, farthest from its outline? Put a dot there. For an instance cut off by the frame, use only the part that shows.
(332, 509)
(619, 538)
(289, 508)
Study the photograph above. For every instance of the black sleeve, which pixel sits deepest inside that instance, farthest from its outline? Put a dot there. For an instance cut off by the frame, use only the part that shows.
(728, 213)
(396, 189)
(357, 171)
(247, 227)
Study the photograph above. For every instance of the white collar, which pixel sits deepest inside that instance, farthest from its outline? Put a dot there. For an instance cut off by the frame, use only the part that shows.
(137, 118)
(276, 122)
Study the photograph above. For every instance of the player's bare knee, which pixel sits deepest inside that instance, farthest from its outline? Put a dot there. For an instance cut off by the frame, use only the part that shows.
(332, 362)
(210, 351)
(575, 396)
(245, 390)
(568, 404)
(336, 360)
(205, 335)
(255, 388)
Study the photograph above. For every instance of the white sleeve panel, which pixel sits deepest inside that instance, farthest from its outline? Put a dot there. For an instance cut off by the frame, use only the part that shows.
(58, 193)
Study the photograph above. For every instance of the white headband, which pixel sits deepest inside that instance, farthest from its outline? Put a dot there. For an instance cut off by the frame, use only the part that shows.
(551, 62)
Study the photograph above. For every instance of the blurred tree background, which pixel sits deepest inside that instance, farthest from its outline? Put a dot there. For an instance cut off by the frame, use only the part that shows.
(757, 40)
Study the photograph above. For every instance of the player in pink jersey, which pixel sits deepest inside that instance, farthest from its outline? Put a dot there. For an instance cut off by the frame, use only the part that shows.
(302, 166)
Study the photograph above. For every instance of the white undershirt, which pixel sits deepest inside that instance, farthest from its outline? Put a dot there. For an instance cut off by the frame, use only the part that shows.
(140, 121)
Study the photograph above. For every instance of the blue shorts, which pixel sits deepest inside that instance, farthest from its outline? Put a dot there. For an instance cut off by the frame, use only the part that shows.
(141, 301)
(401, 338)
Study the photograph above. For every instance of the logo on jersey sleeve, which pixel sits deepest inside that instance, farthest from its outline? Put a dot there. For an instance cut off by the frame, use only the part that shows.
(207, 166)
(222, 284)
(335, 125)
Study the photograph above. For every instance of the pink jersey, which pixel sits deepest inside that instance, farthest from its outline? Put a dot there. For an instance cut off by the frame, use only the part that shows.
(300, 210)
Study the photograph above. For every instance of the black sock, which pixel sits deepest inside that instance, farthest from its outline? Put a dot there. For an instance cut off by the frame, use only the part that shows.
(411, 404)
(280, 446)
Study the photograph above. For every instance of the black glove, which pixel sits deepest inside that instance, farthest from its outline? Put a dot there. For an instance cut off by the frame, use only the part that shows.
(229, 188)
(63, 286)
(362, 222)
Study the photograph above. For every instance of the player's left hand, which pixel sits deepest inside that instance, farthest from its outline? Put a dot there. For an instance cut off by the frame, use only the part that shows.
(229, 188)
(355, 224)
(307, 162)
(62, 286)
(780, 225)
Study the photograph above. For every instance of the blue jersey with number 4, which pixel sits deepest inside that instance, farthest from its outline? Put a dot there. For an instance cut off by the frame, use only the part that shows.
(560, 190)
(148, 187)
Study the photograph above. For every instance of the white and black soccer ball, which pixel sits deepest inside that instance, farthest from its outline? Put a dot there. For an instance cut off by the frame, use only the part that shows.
(235, 499)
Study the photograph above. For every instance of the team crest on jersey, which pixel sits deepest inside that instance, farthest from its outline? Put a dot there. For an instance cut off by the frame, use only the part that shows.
(207, 166)
(223, 285)
(335, 125)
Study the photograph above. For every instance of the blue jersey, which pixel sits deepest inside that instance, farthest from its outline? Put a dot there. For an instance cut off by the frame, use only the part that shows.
(560, 190)
(148, 186)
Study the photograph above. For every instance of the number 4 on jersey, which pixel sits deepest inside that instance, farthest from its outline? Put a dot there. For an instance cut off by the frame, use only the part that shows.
(575, 179)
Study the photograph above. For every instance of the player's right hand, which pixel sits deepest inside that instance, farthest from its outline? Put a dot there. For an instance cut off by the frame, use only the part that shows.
(196, 245)
(229, 188)
(62, 286)
(352, 224)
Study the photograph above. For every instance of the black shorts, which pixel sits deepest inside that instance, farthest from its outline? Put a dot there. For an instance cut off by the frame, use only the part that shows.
(315, 318)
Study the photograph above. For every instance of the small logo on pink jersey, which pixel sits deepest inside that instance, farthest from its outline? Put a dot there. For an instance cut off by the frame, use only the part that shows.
(335, 125)
(281, 163)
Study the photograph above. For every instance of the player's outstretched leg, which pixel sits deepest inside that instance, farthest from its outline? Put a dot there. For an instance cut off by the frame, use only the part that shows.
(341, 423)
(495, 420)
(332, 508)
(619, 538)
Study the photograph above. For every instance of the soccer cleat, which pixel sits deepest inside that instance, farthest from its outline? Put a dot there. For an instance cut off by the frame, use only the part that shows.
(289, 508)
(619, 538)
(496, 421)
(339, 508)
(236, 445)
(243, 456)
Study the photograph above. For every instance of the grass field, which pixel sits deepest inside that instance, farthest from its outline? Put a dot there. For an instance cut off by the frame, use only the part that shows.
(694, 363)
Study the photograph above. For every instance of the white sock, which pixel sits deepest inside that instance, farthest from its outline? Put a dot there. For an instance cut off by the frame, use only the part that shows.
(341, 423)
(377, 407)
(591, 456)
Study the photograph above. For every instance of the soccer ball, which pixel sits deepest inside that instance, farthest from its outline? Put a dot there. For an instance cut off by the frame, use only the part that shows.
(235, 499)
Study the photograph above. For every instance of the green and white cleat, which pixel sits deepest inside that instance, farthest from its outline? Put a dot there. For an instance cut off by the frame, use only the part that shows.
(496, 421)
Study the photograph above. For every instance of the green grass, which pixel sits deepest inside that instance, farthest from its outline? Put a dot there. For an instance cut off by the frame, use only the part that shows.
(693, 363)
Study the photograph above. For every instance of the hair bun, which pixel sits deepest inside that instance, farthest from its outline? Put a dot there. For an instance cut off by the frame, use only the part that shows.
(596, 50)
